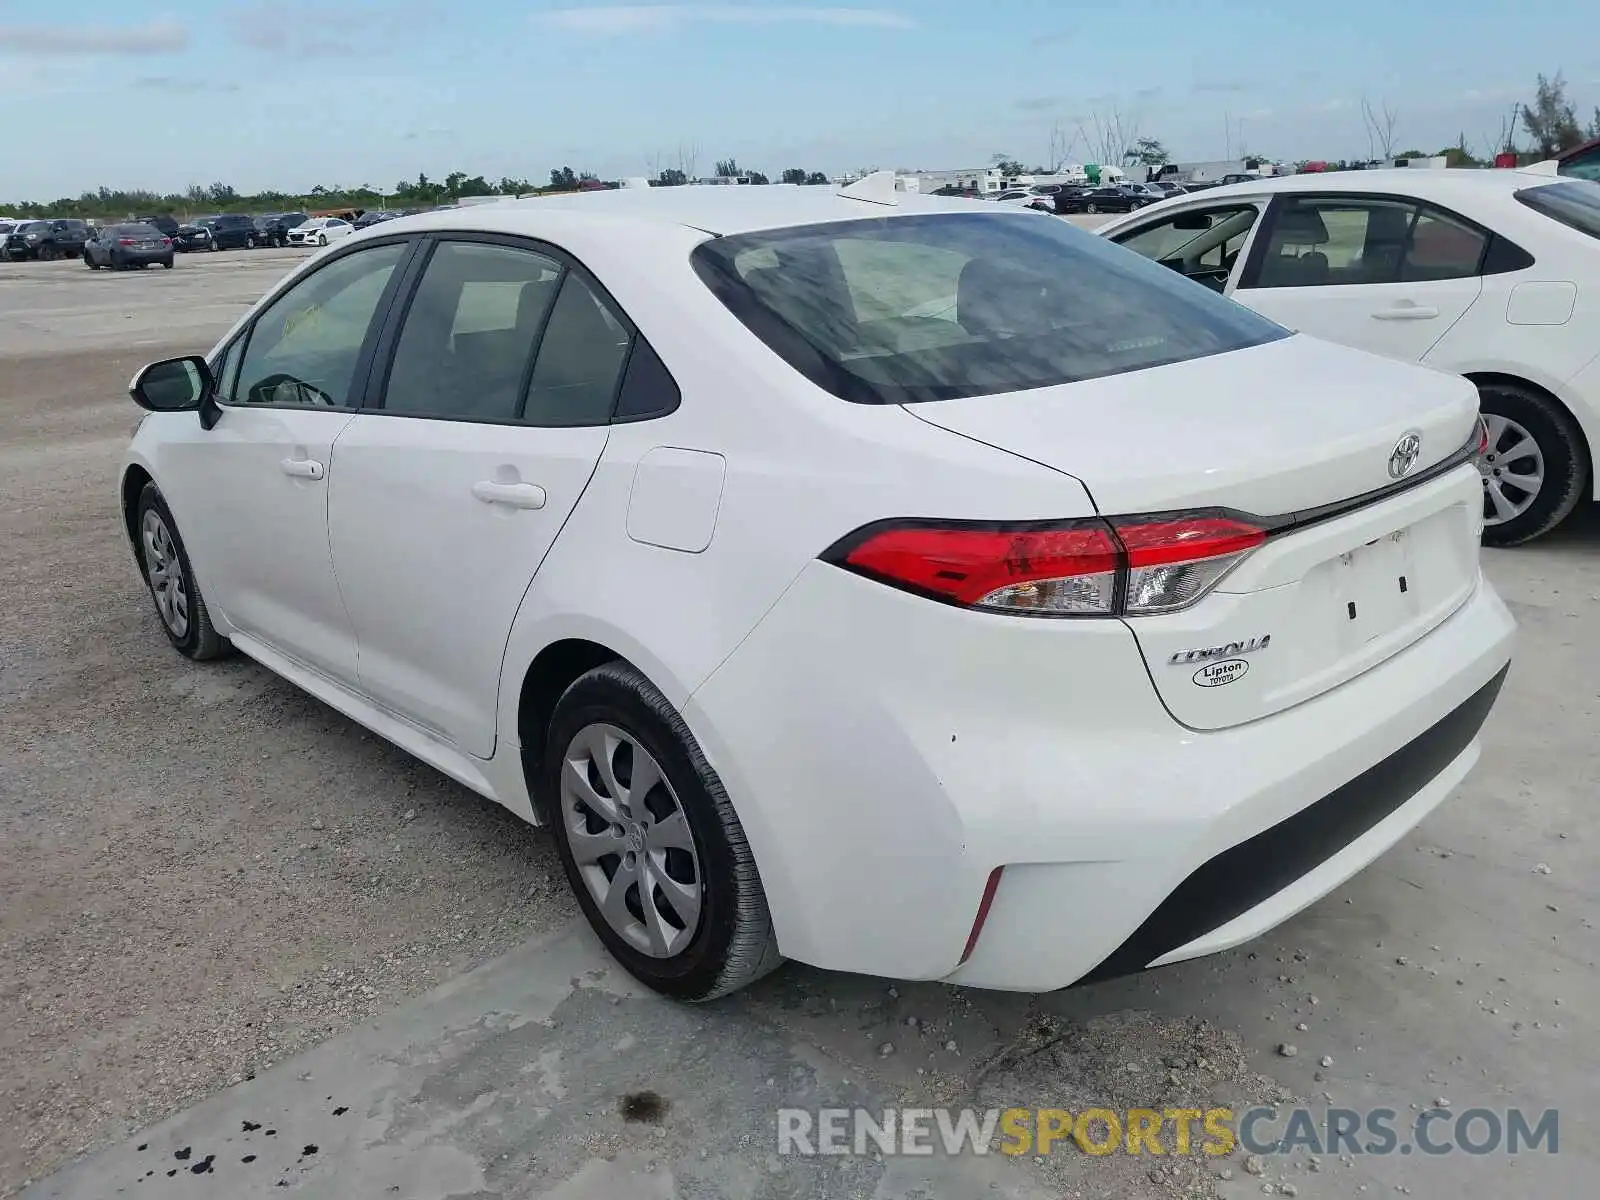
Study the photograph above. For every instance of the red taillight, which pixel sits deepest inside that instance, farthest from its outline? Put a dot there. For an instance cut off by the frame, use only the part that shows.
(1072, 565)
(166, 241)
(124, 241)
(1174, 560)
(1124, 566)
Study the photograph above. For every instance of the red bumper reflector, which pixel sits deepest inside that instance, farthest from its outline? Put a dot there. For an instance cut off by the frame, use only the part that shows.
(989, 890)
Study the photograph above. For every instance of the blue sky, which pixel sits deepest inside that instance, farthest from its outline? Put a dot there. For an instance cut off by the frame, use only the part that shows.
(294, 94)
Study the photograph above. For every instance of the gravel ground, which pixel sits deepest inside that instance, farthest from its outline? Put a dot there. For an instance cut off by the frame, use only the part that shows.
(204, 869)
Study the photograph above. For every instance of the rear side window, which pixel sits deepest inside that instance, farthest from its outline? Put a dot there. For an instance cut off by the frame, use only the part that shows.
(1575, 204)
(580, 360)
(471, 331)
(1326, 242)
(940, 306)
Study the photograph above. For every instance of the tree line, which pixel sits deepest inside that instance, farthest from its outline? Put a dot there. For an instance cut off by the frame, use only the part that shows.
(419, 193)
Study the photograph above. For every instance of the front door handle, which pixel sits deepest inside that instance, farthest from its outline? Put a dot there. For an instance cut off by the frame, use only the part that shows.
(302, 468)
(512, 495)
(1406, 312)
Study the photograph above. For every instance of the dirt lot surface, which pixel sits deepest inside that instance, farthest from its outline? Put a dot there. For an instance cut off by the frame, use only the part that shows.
(204, 872)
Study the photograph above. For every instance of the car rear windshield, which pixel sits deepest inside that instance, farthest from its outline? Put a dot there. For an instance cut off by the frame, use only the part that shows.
(134, 231)
(941, 306)
(1575, 203)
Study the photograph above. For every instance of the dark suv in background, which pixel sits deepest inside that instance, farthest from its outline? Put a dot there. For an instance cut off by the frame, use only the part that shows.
(273, 229)
(46, 240)
(230, 231)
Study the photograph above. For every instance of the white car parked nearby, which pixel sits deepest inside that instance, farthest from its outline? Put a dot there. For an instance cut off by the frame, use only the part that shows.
(319, 231)
(1494, 275)
(902, 585)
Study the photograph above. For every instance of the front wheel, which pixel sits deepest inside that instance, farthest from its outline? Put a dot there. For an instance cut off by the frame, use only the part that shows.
(1535, 467)
(170, 577)
(1092, 208)
(650, 842)
(322, 239)
(88, 261)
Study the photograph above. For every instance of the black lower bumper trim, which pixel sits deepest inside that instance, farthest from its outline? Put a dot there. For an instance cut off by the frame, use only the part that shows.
(1242, 876)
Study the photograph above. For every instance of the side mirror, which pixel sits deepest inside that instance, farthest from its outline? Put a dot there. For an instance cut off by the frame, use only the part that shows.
(173, 385)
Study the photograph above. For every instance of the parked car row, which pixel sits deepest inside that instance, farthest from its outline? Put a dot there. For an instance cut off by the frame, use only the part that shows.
(44, 241)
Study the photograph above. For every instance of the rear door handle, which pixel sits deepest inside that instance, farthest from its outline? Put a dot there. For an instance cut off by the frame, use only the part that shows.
(302, 468)
(512, 495)
(1406, 312)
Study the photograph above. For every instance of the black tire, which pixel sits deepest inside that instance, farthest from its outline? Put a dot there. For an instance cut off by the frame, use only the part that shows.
(1092, 208)
(88, 261)
(1566, 460)
(733, 944)
(47, 254)
(167, 263)
(199, 639)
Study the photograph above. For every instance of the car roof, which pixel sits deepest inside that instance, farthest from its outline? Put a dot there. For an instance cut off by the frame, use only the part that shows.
(1442, 183)
(712, 208)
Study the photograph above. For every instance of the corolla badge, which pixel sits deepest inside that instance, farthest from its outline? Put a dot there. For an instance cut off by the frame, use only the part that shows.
(1405, 454)
(1230, 650)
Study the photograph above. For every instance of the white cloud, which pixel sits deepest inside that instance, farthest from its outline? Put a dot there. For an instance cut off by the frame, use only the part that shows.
(157, 37)
(614, 20)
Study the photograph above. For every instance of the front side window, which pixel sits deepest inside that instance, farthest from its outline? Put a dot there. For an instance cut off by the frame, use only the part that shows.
(1332, 241)
(930, 307)
(471, 331)
(1576, 204)
(303, 348)
(1203, 245)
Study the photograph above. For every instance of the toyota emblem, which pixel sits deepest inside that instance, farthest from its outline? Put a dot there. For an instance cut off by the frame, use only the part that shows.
(1404, 455)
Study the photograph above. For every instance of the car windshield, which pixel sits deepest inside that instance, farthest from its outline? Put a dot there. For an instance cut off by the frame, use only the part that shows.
(1575, 203)
(935, 307)
(34, 226)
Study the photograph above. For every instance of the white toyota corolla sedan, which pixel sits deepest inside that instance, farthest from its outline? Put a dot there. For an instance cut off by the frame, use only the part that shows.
(1494, 275)
(901, 585)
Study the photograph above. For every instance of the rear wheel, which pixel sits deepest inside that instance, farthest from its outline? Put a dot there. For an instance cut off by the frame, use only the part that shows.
(650, 842)
(182, 609)
(1535, 468)
(48, 254)
(167, 263)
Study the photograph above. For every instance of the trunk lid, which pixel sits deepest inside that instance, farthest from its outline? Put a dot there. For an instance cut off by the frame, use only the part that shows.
(1278, 431)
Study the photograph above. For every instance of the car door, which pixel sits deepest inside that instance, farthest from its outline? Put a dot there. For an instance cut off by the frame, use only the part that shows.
(449, 492)
(254, 502)
(1380, 273)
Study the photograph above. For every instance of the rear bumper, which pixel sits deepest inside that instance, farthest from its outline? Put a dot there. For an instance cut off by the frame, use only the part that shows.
(903, 750)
